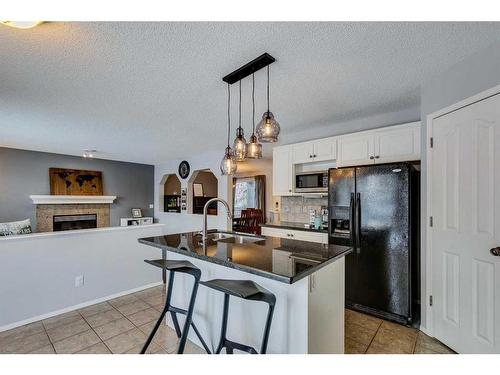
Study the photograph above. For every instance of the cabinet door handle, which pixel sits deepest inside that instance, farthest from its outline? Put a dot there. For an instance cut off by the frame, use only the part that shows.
(377, 157)
(372, 157)
(312, 283)
(310, 156)
(314, 155)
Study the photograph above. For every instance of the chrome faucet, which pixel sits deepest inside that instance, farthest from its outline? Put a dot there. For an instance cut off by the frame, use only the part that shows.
(205, 212)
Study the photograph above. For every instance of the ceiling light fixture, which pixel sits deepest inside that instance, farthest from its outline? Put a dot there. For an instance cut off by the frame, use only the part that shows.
(22, 24)
(268, 128)
(89, 153)
(228, 164)
(240, 143)
(254, 149)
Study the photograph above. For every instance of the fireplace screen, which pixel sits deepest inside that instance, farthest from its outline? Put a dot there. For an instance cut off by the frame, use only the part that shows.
(72, 222)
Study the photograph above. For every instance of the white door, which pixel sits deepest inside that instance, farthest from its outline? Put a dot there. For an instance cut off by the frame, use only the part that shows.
(302, 153)
(465, 205)
(356, 150)
(282, 171)
(398, 144)
(325, 149)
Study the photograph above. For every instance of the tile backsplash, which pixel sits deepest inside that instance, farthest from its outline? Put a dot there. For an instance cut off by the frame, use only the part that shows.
(296, 209)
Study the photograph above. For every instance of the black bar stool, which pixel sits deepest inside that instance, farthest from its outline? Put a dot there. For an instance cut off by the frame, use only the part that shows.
(174, 266)
(248, 290)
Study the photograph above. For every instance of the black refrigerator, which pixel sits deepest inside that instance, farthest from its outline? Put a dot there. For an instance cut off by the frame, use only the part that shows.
(375, 209)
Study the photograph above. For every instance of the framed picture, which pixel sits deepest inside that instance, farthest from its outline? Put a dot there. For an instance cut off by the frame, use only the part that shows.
(198, 190)
(75, 182)
(136, 212)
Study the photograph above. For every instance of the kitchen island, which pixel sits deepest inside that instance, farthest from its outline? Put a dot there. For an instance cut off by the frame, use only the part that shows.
(307, 279)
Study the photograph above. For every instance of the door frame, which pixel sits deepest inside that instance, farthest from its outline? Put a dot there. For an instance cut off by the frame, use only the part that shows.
(425, 294)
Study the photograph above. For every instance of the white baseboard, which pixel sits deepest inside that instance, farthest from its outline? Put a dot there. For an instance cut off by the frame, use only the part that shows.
(76, 307)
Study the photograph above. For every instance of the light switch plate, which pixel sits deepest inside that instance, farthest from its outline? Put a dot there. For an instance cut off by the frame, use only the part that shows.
(79, 281)
(151, 205)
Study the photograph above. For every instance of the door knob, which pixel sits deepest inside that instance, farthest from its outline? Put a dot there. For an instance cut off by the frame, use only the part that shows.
(495, 251)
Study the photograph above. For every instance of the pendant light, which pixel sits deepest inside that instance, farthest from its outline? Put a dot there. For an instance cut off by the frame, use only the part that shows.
(228, 164)
(268, 128)
(240, 143)
(254, 149)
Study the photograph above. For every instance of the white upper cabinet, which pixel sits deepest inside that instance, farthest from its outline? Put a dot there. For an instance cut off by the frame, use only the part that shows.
(318, 150)
(398, 144)
(325, 149)
(302, 152)
(392, 144)
(386, 145)
(282, 171)
(355, 149)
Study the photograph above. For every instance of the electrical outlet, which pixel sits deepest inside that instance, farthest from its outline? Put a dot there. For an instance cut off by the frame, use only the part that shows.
(79, 281)
(151, 205)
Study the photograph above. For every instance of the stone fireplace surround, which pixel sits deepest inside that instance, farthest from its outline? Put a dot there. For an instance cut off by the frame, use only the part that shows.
(49, 205)
(45, 214)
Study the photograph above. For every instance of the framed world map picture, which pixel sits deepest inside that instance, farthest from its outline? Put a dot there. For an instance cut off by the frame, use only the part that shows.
(75, 182)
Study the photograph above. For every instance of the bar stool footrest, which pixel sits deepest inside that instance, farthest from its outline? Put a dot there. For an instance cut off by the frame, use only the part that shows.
(231, 345)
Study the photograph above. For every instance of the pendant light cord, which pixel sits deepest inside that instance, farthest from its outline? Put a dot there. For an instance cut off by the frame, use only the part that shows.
(239, 124)
(253, 103)
(228, 113)
(268, 88)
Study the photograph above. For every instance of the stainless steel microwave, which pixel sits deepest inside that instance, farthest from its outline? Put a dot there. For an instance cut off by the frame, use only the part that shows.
(311, 182)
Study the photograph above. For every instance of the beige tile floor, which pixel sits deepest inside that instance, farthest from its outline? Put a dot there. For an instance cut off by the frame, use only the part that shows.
(121, 325)
(367, 334)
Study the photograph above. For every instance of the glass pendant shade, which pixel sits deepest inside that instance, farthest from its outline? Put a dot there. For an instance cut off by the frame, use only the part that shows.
(228, 164)
(254, 149)
(268, 128)
(240, 145)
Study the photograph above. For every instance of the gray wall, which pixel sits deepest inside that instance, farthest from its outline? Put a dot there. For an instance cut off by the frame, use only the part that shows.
(23, 173)
(471, 76)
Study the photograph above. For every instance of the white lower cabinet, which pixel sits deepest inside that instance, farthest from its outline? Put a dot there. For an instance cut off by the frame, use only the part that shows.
(300, 235)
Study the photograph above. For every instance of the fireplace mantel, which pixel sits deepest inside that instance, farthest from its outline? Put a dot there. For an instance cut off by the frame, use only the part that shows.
(72, 199)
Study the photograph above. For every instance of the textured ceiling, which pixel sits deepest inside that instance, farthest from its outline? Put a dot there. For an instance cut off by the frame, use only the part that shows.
(148, 92)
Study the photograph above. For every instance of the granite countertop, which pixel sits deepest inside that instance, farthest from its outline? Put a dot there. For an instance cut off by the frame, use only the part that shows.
(294, 226)
(280, 259)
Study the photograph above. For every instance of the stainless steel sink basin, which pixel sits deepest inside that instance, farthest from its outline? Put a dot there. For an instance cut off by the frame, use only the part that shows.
(233, 238)
(219, 236)
(240, 239)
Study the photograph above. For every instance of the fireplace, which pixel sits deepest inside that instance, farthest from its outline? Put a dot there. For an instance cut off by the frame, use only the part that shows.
(72, 222)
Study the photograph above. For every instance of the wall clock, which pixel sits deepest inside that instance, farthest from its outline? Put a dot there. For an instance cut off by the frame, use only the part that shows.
(184, 169)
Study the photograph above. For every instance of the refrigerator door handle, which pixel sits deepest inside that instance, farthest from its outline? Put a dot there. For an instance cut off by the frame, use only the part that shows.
(358, 222)
(351, 218)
